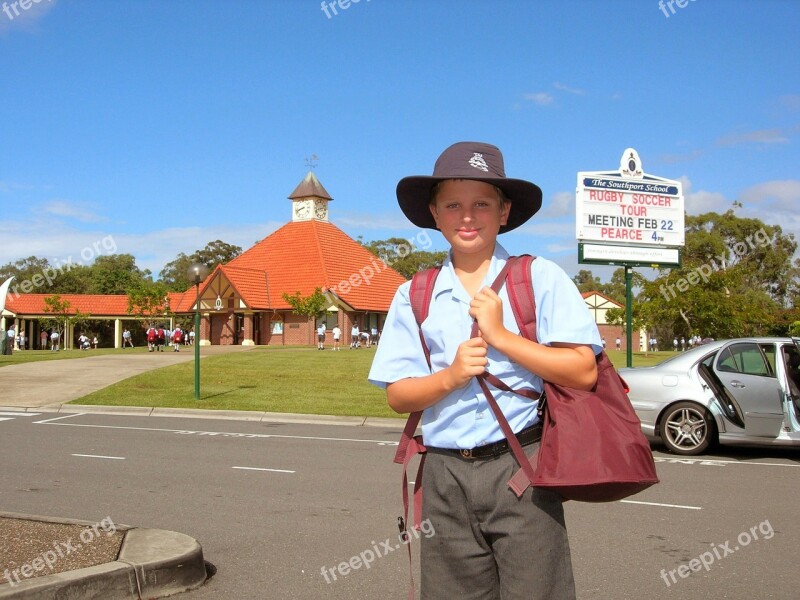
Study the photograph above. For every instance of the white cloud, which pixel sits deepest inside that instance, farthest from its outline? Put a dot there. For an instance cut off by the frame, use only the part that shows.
(678, 158)
(560, 204)
(78, 211)
(371, 221)
(547, 228)
(540, 98)
(564, 88)
(781, 194)
(60, 243)
(761, 136)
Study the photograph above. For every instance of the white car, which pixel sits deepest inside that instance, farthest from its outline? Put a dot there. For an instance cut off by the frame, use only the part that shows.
(743, 392)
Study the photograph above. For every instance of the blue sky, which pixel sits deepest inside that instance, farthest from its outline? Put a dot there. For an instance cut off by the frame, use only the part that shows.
(167, 124)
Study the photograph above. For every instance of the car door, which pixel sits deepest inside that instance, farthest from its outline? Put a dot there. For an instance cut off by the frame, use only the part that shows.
(747, 375)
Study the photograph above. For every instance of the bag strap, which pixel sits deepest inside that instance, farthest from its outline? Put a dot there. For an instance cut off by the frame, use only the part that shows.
(515, 274)
(420, 295)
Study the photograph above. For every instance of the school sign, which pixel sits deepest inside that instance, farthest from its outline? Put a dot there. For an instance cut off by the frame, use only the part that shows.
(631, 219)
(628, 217)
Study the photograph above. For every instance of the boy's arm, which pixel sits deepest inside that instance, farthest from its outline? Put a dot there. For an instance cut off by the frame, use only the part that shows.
(418, 393)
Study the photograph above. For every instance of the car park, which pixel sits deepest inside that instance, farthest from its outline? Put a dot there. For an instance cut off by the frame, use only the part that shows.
(743, 392)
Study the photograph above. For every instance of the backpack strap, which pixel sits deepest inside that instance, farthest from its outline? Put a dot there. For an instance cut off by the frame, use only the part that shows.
(420, 295)
(515, 274)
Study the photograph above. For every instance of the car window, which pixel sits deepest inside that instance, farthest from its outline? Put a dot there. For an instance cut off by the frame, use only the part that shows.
(769, 353)
(745, 358)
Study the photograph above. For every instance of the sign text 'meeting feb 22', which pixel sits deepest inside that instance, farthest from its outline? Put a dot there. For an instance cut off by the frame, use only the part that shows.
(630, 211)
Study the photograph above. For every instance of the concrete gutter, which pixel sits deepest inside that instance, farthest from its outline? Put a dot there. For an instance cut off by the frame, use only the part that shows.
(152, 563)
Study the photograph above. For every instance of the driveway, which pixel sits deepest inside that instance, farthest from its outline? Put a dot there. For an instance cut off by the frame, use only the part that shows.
(42, 383)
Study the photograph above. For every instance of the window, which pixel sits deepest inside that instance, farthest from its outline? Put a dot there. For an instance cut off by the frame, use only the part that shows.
(746, 358)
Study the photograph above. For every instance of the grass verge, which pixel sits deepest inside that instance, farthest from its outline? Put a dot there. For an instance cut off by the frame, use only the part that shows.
(274, 379)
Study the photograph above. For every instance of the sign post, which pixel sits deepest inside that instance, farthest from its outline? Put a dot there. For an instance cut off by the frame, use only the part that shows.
(631, 219)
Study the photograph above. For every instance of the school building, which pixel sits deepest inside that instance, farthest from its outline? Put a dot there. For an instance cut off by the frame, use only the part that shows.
(242, 302)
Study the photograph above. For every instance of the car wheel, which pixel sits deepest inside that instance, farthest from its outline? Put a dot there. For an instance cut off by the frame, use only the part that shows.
(687, 428)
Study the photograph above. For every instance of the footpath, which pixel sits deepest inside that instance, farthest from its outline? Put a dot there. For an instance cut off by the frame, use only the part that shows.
(134, 563)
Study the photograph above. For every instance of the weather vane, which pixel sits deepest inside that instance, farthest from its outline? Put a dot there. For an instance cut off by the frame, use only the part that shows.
(312, 162)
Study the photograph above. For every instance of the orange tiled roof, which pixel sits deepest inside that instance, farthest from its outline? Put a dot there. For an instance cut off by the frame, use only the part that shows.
(304, 255)
(104, 305)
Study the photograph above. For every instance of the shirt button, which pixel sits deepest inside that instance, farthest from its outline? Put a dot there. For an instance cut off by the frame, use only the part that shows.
(480, 415)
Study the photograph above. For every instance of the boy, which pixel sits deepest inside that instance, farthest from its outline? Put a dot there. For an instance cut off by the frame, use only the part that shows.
(488, 542)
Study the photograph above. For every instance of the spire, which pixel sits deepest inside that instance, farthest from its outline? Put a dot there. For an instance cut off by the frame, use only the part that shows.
(310, 187)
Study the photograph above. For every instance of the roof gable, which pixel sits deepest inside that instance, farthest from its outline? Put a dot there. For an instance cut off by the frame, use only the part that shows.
(304, 255)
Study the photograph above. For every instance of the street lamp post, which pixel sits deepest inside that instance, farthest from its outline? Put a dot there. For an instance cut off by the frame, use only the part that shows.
(197, 273)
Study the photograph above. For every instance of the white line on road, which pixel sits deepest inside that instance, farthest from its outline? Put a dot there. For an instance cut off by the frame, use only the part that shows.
(100, 456)
(666, 505)
(224, 433)
(262, 469)
(713, 462)
(19, 414)
(6, 418)
(58, 418)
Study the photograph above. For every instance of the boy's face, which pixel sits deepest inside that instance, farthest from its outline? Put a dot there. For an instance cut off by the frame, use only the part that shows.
(469, 214)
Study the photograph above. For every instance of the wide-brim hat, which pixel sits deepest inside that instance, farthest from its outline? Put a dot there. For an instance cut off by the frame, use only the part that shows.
(475, 161)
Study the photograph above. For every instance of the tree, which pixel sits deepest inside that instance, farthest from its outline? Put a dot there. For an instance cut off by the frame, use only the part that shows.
(60, 309)
(115, 274)
(737, 275)
(585, 281)
(311, 306)
(149, 300)
(174, 273)
(401, 255)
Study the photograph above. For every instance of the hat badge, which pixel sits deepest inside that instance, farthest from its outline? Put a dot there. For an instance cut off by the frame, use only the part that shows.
(477, 162)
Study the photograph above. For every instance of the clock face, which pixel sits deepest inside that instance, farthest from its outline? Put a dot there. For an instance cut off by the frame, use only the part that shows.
(301, 210)
(321, 211)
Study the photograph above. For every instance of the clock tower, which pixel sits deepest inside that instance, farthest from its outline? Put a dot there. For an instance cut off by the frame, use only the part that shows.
(310, 200)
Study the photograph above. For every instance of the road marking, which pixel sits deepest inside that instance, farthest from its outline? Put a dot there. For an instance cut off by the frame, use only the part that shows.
(221, 433)
(715, 462)
(58, 418)
(262, 469)
(18, 414)
(100, 456)
(659, 504)
(6, 418)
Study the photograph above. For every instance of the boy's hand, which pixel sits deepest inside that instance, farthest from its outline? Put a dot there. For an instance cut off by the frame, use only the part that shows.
(469, 362)
(487, 309)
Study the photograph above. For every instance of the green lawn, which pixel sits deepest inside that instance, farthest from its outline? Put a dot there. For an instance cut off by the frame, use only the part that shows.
(272, 379)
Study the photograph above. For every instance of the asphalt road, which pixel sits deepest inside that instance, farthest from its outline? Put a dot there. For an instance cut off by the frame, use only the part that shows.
(273, 510)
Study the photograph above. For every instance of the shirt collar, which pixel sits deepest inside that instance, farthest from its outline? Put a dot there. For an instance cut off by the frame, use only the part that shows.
(447, 281)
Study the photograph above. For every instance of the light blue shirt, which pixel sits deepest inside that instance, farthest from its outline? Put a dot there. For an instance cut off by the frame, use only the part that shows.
(463, 418)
